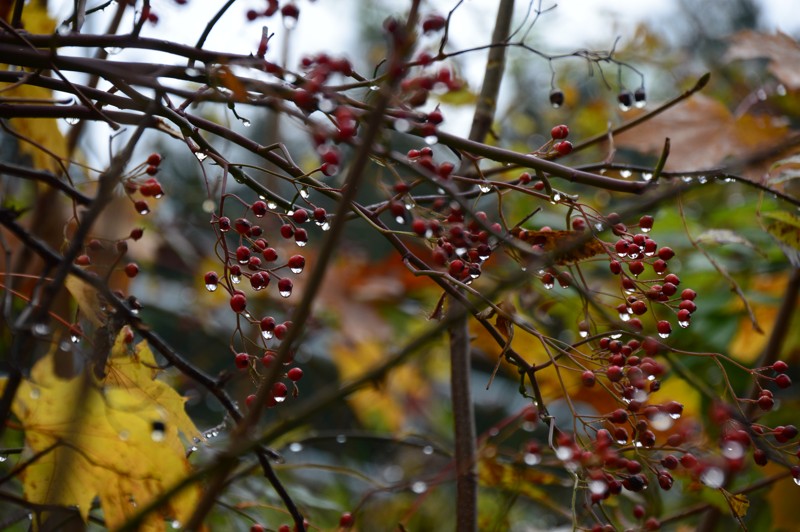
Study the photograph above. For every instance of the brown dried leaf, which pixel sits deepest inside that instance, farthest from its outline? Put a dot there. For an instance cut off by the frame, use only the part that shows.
(566, 246)
(703, 132)
(782, 51)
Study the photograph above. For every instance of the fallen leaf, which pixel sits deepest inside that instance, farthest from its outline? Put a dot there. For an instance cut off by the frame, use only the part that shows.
(566, 246)
(782, 51)
(784, 227)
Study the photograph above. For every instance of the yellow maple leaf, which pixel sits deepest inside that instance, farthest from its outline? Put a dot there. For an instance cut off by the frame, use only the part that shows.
(117, 440)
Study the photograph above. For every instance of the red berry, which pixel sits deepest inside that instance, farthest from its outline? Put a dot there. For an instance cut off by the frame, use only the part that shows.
(270, 255)
(287, 231)
(621, 247)
(636, 267)
(664, 328)
(559, 132)
(279, 389)
(131, 270)
(780, 366)
(83, 260)
(687, 304)
(618, 416)
(665, 253)
(300, 216)
(347, 520)
(433, 23)
(242, 360)
(242, 254)
(141, 207)
(646, 222)
(783, 381)
(154, 159)
(684, 315)
(765, 403)
(672, 278)
(614, 373)
(563, 148)
(669, 461)
(295, 374)
(300, 236)
(688, 461)
(659, 266)
(259, 208)
(455, 267)
(285, 287)
(588, 378)
(242, 226)
(290, 11)
(639, 307)
(280, 331)
(224, 224)
(297, 263)
(615, 267)
(689, 294)
(760, 457)
(320, 215)
(238, 303)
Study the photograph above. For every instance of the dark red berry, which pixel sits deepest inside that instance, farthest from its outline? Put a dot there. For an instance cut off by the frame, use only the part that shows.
(347, 520)
(556, 98)
(780, 366)
(665, 253)
(297, 263)
(287, 231)
(295, 374)
(154, 159)
(563, 148)
(285, 287)
(259, 208)
(783, 381)
(238, 303)
(559, 132)
(242, 360)
(300, 216)
(131, 269)
(588, 377)
(646, 222)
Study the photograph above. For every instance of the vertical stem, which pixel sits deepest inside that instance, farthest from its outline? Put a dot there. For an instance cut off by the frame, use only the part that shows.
(460, 367)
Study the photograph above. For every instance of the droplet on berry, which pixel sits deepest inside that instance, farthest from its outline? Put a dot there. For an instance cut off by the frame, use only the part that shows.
(625, 99)
(212, 281)
(141, 207)
(285, 287)
(297, 263)
(664, 328)
(259, 208)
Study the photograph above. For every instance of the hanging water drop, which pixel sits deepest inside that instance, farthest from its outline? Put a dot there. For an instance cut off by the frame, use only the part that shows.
(683, 324)
(200, 156)
(267, 335)
(583, 334)
(713, 477)
(159, 431)
(284, 293)
(485, 188)
(325, 226)
(72, 121)
(402, 125)
(304, 193)
(625, 173)
(341, 438)
(428, 450)
(295, 447)
(624, 316)
(246, 122)
(236, 279)
(532, 459)
(430, 140)
(301, 243)
(419, 487)
(271, 205)
(615, 336)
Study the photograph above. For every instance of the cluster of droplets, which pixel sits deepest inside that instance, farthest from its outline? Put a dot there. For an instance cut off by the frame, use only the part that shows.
(250, 257)
(636, 253)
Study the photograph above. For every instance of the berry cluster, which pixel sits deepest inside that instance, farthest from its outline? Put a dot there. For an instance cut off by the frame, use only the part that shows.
(142, 180)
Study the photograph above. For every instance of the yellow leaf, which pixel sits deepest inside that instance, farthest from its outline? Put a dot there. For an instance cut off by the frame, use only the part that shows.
(43, 132)
(108, 442)
(87, 298)
(528, 481)
(738, 503)
(384, 406)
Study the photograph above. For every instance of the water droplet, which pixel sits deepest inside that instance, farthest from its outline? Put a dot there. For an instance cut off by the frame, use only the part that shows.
(326, 105)
(661, 421)
(246, 122)
(556, 198)
(124, 435)
(3, 458)
(175, 524)
(780, 90)
(625, 173)
(35, 393)
(683, 324)
(158, 433)
(615, 336)
(193, 72)
(713, 477)
(284, 293)
(532, 459)
(341, 438)
(245, 261)
(402, 125)
(74, 338)
(732, 450)
(295, 447)
(267, 335)
(374, 88)
(676, 415)
(528, 426)
(564, 453)
(211, 287)
(647, 176)
(208, 206)
(304, 193)
(400, 219)
(640, 104)
(598, 487)
(647, 230)
(797, 481)
(112, 50)
(71, 120)
(687, 179)
(430, 140)
(622, 442)
(548, 286)
(761, 94)
(296, 270)
(663, 335)
(325, 226)
(272, 205)
(427, 450)
(393, 474)
(583, 334)
(624, 316)
(144, 210)
(640, 395)
(40, 329)
(409, 204)
(200, 156)
(301, 243)
(289, 22)
(623, 107)
(485, 188)
(236, 279)
(702, 179)
(419, 487)
(283, 397)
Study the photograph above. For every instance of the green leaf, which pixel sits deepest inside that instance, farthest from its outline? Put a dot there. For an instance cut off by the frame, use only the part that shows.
(785, 228)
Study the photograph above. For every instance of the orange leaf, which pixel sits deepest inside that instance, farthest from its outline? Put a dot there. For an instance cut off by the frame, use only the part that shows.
(566, 246)
(782, 51)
